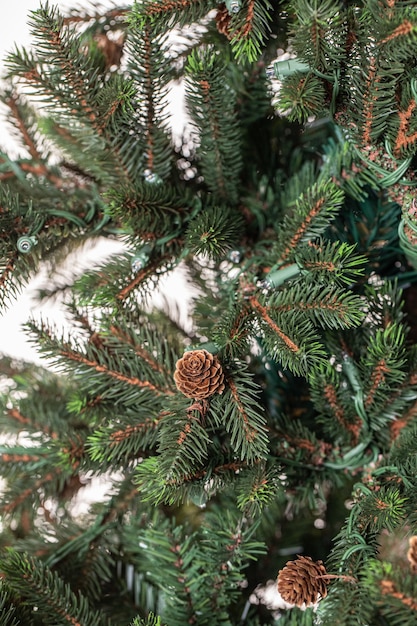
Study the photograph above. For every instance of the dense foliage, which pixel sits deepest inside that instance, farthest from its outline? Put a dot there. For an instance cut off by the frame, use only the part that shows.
(286, 208)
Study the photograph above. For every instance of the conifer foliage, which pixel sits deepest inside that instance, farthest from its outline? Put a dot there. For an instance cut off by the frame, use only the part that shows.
(162, 471)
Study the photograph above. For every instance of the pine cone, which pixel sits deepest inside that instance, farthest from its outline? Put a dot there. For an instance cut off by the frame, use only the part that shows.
(199, 374)
(298, 581)
(223, 21)
(412, 553)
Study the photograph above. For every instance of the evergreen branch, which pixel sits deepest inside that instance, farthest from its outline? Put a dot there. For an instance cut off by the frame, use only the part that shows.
(23, 123)
(384, 362)
(331, 262)
(44, 589)
(80, 78)
(404, 419)
(209, 107)
(175, 553)
(313, 211)
(299, 350)
(398, 35)
(19, 456)
(208, 560)
(179, 11)
(214, 231)
(124, 441)
(226, 548)
(257, 489)
(150, 73)
(196, 486)
(302, 96)
(131, 338)
(264, 313)
(9, 612)
(405, 139)
(337, 409)
(107, 285)
(22, 421)
(334, 403)
(239, 412)
(150, 210)
(184, 442)
(148, 272)
(375, 94)
(328, 307)
(233, 331)
(319, 33)
(389, 588)
(68, 353)
(249, 28)
(27, 495)
(390, 506)
(107, 367)
(6, 285)
(402, 30)
(76, 96)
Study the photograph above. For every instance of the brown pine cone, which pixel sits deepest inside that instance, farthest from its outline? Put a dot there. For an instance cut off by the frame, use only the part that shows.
(223, 21)
(412, 553)
(298, 581)
(199, 374)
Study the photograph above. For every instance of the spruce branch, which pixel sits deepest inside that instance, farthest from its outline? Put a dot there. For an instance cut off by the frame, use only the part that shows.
(385, 362)
(102, 366)
(213, 232)
(302, 96)
(125, 440)
(11, 614)
(150, 74)
(312, 212)
(319, 34)
(249, 28)
(331, 262)
(334, 403)
(209, 107)
(299, 351)
(181, 12)
(325, 306)
(241, 416)
(183, 442)
(45, 590)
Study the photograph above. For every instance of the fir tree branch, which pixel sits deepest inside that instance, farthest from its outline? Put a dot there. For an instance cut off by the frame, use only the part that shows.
(339, 413)
(249, 28)
(263, 311)
(47, 591)
(220, 153)
(404, 139)
(68, 353)
(313, 210)
(141, 276)
(182, 11)
(28, 493)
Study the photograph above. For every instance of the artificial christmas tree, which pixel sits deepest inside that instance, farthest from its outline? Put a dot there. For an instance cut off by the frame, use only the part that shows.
(269, 440)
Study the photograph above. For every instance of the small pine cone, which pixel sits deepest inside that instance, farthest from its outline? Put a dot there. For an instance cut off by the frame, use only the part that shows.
(412, 553)
(223, 21)
(199, 374)
(298, 581)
